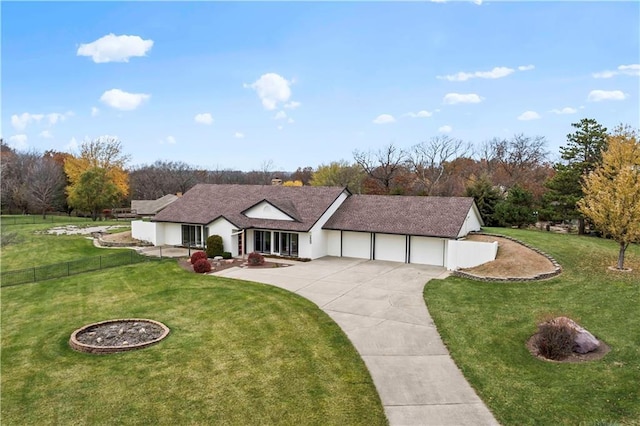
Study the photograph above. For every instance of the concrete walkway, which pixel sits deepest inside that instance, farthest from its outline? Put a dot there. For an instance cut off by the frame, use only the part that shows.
(380, 307)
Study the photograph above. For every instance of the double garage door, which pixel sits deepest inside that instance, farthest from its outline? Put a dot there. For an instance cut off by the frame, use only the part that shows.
(395, 248)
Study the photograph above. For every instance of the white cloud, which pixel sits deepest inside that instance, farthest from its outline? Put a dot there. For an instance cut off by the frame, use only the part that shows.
(384, 119)
(290, 120)
(113, 48)
(526, 67)
(238, 135)
(459, 98)
(54, 117)
(94, 111)
(203, 118)
(606, 95)
(478, 2)
(19, 122)
(292, 105)
(565, 110)
(497, 72)
(18, 141)
(419, 114)
(445, 129)
(280, 127)
(271, 89)
(124, 101)
(170, 140)
(528, 115)
(438, 1)
(632, 70)
(45, 134)
(280, 115)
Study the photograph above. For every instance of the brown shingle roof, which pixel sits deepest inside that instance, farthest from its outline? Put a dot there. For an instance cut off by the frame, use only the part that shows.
(149, 207)
(391, 214)
(204, 203)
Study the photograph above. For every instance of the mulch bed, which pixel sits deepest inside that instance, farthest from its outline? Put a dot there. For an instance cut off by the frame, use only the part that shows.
(575, 357)
(217, 266)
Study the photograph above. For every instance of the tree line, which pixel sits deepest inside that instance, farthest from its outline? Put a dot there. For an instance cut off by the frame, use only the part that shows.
(513, 180)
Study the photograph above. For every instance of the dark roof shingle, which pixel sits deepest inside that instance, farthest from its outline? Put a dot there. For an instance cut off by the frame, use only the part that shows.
(407, 215)
(204, 203)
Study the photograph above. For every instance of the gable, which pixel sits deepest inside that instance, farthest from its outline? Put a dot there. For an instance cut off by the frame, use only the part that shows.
(266, 210)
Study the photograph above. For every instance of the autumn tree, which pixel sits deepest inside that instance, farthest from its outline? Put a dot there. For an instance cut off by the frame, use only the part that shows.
(612, 191)
(292, 183)
(93, 191)
(339, 173)
(581, 155)
(104, 153)
(428, 161)
(381, 166)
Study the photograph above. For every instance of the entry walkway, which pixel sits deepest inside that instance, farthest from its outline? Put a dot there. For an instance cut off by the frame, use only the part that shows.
(380, 307)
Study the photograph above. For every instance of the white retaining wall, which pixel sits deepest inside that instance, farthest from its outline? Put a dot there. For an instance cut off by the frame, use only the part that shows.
(467, 254)
(145, 231)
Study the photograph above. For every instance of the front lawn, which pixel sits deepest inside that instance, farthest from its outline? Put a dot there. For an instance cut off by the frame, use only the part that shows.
(238, 353)
(485, 326)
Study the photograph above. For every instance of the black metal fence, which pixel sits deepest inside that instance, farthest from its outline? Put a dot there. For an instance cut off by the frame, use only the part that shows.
(38, 219)
(65, 269)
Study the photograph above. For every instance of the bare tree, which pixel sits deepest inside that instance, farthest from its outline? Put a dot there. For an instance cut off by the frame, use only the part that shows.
(45, 185)
(428, 161)
(150, 182)
(383, 165)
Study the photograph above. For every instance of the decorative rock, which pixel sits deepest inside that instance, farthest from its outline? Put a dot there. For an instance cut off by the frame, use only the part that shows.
(99, 339)
(217, 258)
(584, 341)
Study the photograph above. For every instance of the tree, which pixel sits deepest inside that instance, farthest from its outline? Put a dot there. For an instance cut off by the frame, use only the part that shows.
(428, 161)
(382, 165)
(339, 173)
(292, 183)
(516, 209)
(486, 197)
(150, 182)
(612, 190)
(581, 155)
(104, 153)
(45, 185)
(93, 191)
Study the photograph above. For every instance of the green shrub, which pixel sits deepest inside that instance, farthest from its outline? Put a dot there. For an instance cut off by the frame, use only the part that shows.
(556, 338)
(197, 256)
(202, 266)
(255, 259)
(214, 246)
(226, 255)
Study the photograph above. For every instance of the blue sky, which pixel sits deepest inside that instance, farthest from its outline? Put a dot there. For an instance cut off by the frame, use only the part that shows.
(236, 84)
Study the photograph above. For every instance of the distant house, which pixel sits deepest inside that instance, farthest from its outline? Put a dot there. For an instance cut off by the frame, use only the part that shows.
(312, 222)
(148, 208)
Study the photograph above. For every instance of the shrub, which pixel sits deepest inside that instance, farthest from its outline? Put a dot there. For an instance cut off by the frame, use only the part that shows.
(226, 255)
(256, 259)
(202, 266)
(556, 338)
(214, 246)
(197, 256)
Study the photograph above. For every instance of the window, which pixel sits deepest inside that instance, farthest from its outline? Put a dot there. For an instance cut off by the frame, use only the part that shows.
(262, 241)
(192, 235)
(288, 244)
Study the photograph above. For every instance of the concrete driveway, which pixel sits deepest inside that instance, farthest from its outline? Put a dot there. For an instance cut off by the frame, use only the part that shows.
(380, 307)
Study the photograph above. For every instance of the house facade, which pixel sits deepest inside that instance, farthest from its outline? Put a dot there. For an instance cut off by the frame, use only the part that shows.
(313, 222)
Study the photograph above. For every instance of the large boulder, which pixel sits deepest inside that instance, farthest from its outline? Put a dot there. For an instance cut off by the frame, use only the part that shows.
(584, 341)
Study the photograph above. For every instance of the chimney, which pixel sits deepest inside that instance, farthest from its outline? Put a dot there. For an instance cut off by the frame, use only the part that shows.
(178, 194)
(276, 181)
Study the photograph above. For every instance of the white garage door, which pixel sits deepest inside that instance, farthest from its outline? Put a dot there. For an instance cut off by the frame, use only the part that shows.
(356, 244)
(390, 247)
(427, 251)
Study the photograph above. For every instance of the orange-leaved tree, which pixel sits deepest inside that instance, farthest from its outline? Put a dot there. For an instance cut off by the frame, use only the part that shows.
(104, 153)
(612, 190)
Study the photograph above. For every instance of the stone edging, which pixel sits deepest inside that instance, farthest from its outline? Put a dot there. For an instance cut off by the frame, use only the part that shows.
(103, 243)
(557, 268)
(100, 350)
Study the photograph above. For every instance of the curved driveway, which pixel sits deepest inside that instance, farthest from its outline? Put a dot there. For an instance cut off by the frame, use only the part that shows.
(380, 307)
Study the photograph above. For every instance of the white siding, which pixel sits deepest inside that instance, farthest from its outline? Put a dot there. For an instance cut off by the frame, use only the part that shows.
(224, 228)
(467, 254)
(390, 247)
(145, 231)
(265, 210)
(172, 233)
(305, 246)
(249, 240)
(427, 251)
(333, 243)
(356, 244)
(473, 222)
(320, 243)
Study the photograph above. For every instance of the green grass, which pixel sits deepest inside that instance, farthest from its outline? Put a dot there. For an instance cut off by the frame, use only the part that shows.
(238, 353)
(34, 247)
(485, 326)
